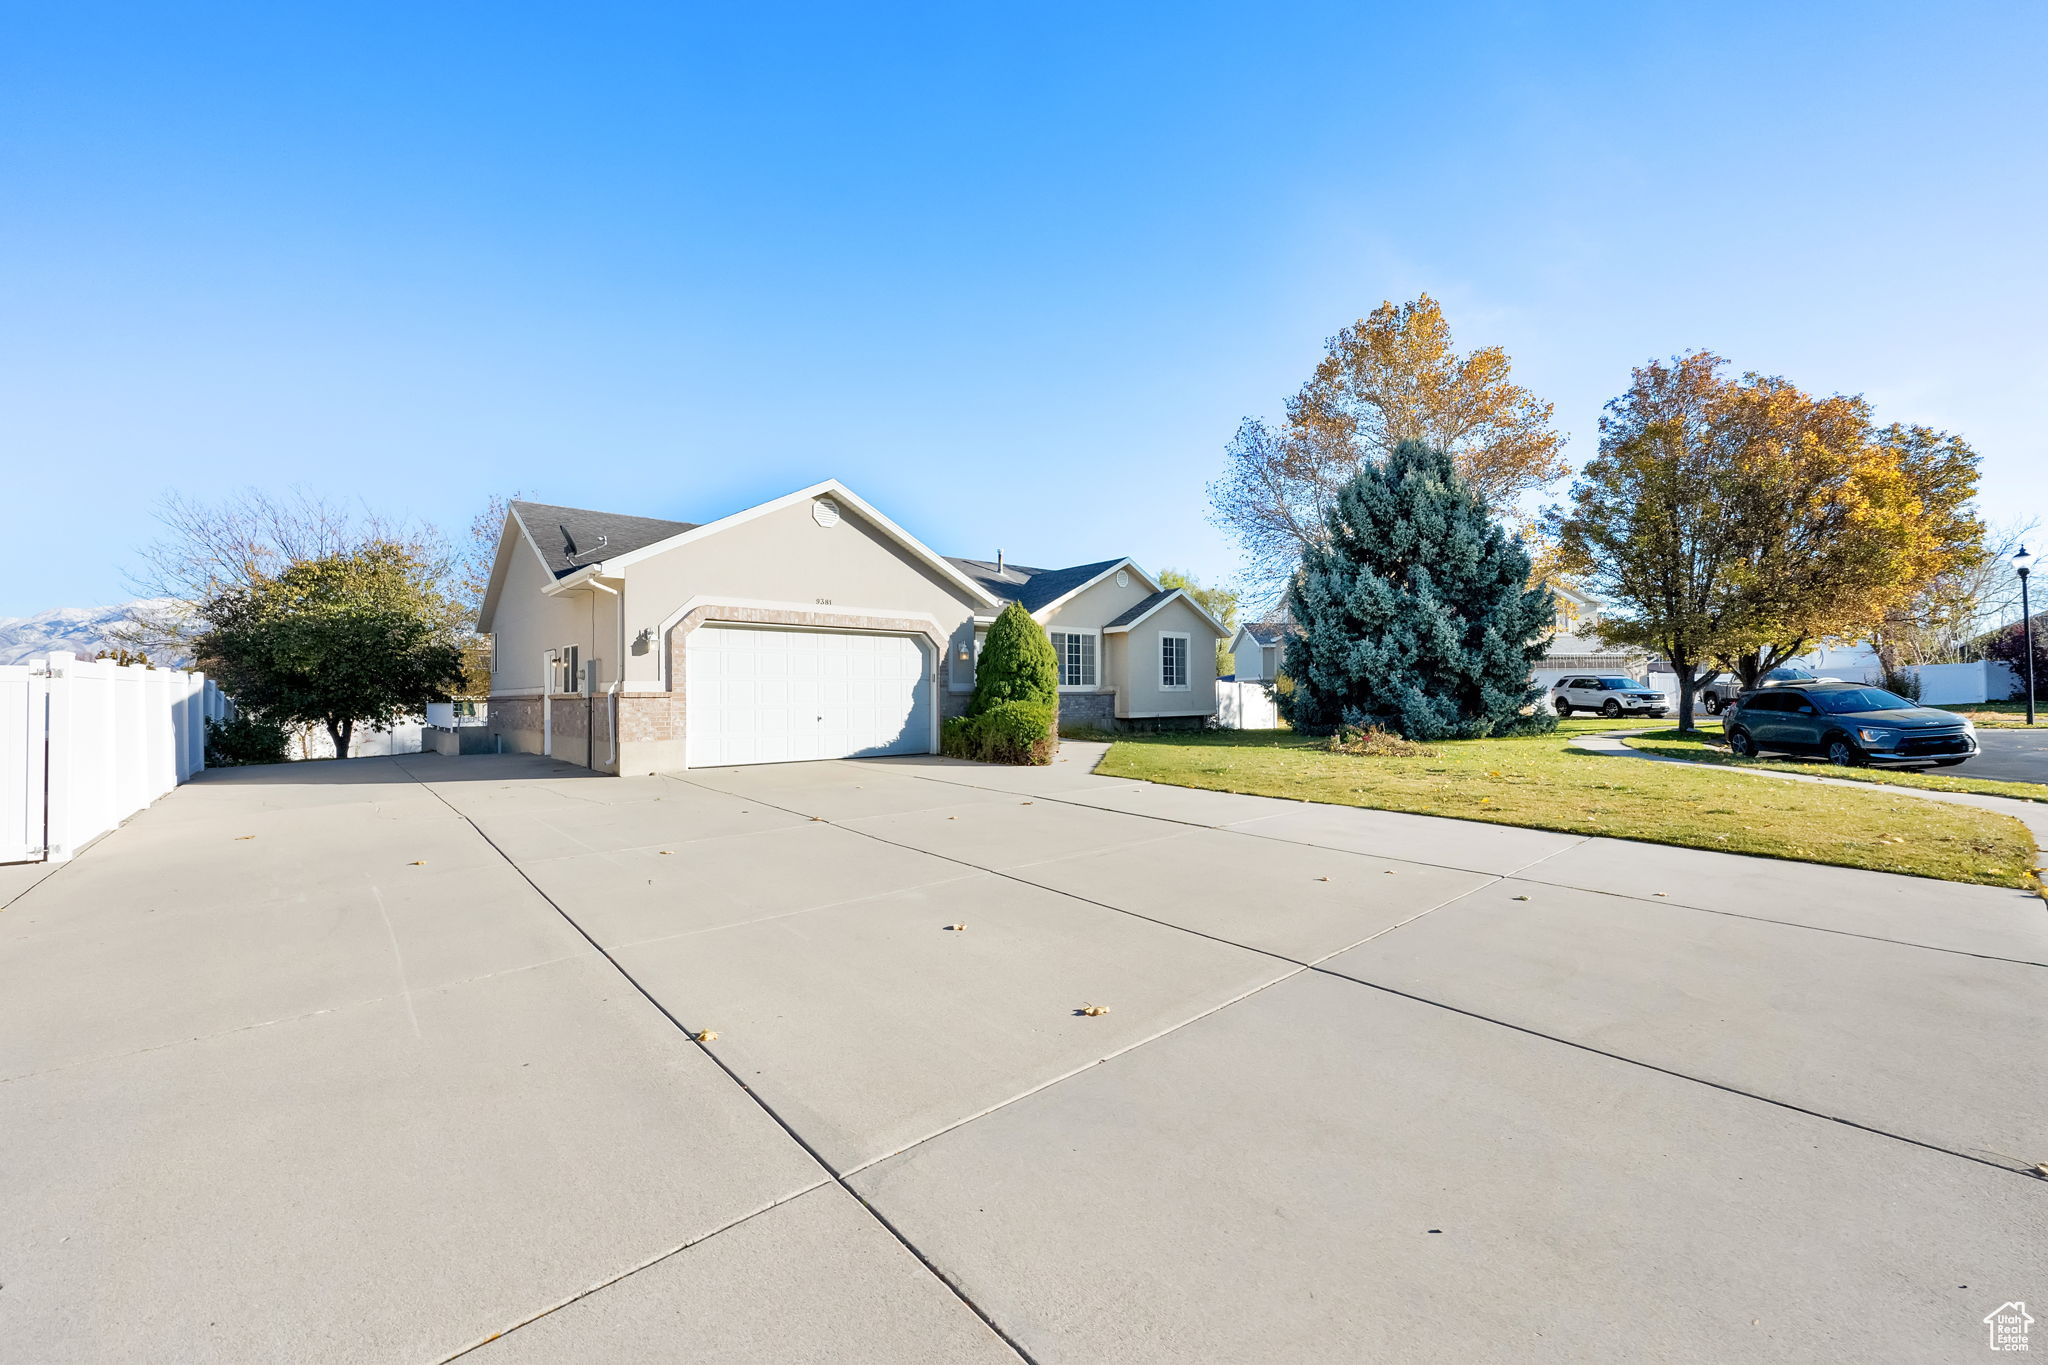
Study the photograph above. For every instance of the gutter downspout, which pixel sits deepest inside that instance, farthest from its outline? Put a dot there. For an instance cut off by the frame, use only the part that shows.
(618, 674)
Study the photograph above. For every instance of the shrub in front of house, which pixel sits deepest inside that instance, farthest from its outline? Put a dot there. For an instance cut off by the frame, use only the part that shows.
(1014, 714)
(1414, 612)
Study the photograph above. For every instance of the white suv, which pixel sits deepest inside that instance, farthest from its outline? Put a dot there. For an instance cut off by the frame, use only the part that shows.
(1609, 694)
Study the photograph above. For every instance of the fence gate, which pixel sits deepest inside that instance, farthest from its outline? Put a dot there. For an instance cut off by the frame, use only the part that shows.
(24, 772)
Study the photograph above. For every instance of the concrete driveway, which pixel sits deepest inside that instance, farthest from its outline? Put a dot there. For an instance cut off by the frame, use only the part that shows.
(391, 1060)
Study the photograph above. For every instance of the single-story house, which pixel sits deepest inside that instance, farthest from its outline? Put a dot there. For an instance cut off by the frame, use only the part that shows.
(1259, 648)
(808, 627)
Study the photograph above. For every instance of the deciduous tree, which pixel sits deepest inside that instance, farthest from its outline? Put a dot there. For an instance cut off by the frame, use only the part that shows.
(355, 636)
(1392, 377)
(1648, 528)
(1743, 522)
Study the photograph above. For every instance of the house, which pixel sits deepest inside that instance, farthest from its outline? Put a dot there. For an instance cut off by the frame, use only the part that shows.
(808, 627)
(1576, 647)
(1259, 648)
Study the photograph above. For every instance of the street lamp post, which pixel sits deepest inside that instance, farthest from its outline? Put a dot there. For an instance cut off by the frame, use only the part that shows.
(2023, 564)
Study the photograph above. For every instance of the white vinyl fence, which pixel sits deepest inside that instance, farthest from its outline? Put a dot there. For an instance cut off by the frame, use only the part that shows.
(1245, 706)
(85, 744)
(1962, 684)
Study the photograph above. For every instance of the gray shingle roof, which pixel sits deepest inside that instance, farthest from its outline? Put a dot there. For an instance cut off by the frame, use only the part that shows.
(1139, 610)
(1268, 632)
(571, 538)
(1032, 587)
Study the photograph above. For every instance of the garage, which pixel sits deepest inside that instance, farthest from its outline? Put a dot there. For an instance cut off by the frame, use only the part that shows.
(765, 695)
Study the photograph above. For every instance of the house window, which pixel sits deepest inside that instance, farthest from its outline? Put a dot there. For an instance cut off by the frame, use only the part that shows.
(1173, 662)
(567, 669)
(491, 651)
(1076, 652)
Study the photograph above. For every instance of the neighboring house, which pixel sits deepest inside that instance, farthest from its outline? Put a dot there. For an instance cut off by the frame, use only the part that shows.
(1576, 647)
(808, 627)
(1259, 648)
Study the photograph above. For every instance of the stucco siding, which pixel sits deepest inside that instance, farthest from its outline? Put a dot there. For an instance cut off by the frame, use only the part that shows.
(1137, 665)
(1095, 607)
(528, 623)
(785, 557)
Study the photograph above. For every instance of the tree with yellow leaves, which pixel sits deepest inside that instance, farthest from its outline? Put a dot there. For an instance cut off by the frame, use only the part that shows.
(1392, 377)
(1744, 521)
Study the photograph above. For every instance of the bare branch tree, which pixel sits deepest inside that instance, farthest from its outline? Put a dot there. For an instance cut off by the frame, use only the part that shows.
(1391, 377)
(245, 538)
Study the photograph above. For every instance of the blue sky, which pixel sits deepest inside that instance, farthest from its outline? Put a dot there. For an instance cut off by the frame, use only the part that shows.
(1013, 273)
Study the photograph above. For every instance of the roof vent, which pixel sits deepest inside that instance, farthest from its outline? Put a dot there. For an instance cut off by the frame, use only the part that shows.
(825, 512)
(999, 561)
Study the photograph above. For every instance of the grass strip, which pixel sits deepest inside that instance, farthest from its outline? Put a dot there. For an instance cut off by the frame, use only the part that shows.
(1542, 783)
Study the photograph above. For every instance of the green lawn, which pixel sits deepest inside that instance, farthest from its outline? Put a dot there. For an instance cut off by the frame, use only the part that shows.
(1706, 747)
(1543, 783)
(1998, 715)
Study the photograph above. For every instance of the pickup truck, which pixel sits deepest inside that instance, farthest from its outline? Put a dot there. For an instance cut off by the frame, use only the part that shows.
(1720, 694)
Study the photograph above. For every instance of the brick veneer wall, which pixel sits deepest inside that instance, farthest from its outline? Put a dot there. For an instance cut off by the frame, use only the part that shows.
(1088, 708)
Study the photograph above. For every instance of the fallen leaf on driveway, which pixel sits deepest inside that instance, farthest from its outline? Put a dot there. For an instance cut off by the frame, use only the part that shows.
(664, 853)
(957, 928)
(705, 1035)
(1322, 879)
(240, 837)
(1092, 1010)
(1521, 898)
(417, 862)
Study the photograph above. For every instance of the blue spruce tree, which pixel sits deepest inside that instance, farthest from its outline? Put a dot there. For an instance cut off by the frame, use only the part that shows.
(1415, 614)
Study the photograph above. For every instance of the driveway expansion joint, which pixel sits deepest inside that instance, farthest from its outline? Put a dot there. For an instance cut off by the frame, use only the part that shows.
(832, 1174)
(1420, 999)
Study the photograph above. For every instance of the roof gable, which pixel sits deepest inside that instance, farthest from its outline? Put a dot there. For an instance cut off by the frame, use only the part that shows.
(1035, 589)
(1159, 600)
(687, 532)
(1266, 632)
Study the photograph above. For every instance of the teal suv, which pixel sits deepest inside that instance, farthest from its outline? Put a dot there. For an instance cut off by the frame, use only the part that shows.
(1848, 724)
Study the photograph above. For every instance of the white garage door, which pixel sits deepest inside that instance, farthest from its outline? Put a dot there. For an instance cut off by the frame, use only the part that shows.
(782, 696)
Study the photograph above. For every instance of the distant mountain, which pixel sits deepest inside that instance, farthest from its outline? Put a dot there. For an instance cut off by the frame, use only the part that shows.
(83, 631)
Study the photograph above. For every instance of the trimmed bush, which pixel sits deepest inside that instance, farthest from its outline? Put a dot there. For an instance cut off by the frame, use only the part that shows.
(1012, 732)
(245, 739)
(1017, 664)
(1014, 714)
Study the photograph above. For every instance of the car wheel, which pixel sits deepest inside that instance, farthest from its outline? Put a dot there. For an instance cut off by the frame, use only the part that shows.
(1843, 754)
(1563, 708)
(1742, 745)
(1713, 704)
(1611, 709)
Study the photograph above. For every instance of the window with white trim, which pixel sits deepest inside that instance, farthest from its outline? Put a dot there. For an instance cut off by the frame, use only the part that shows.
(1173, 662)
(1075, 650)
